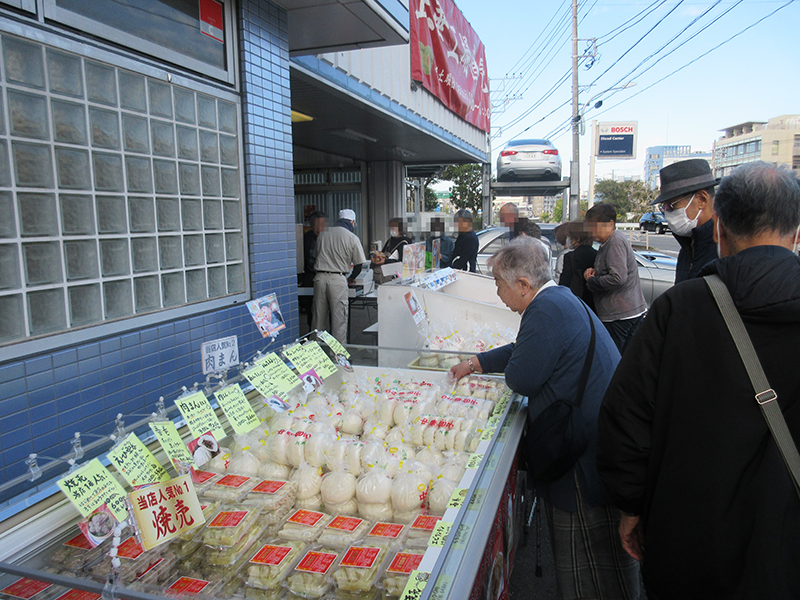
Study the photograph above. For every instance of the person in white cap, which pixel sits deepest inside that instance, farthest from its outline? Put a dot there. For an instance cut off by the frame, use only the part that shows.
(338, 250)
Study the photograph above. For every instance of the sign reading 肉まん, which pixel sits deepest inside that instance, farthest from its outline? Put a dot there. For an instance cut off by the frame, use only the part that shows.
(220, 355)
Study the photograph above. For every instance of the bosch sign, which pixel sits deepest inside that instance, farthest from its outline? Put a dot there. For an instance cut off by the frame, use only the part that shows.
(616, 140)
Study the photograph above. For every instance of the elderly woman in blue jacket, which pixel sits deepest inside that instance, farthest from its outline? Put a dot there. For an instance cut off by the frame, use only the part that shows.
(545, 364)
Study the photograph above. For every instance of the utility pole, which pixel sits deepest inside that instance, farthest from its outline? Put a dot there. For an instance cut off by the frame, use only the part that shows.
(592, 158)
(574, 168)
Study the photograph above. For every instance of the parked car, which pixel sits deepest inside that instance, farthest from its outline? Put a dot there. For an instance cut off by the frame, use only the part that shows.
(653, 221)
(656, 270)
(528, 159)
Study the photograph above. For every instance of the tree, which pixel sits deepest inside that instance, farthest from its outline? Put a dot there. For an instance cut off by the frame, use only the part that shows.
(467, 181)
(556, 215)
(631, 198)
(431, 201)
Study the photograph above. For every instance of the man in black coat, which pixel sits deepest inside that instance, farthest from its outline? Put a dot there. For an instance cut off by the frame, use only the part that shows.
(709, 505)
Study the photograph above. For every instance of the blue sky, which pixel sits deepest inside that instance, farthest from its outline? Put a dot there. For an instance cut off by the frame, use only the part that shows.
(751, 78)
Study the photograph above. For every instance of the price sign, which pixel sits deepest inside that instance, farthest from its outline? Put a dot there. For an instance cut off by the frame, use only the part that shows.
(199, 415)
(474, 461)
(266, 386)
(166, 510)
(92, 486)
(281, 375)
(457, 498)
(171, 442)
(136, 463)
(306, 357)
(493, 421)
(236, 407)
(440, 533)
(333, 343)
(487, 434)
(414, 586)
(500, 407)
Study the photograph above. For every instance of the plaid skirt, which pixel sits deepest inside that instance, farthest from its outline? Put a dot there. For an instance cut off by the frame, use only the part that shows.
(589, 558)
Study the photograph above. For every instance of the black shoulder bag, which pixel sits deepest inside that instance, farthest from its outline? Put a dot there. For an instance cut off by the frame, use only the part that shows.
(558, 437)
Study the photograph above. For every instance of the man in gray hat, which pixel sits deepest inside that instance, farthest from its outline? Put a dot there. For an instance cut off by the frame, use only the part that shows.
(337, 249)
(687, 202)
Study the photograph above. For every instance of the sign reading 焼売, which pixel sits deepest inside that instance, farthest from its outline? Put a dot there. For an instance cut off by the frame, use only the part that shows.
(616, 140)
(220, 355)
(166, 510)
(448, 57)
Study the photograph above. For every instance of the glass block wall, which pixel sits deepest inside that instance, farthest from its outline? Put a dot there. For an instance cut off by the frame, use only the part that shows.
(119, 193)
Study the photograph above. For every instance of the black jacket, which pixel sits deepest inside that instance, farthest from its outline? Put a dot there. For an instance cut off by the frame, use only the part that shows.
(682, 441)
(696, 252)
(465, 253)
(395, 243)
(575, 263)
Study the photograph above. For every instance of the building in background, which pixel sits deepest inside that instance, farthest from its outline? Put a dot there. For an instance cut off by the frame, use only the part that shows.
(774, 141)
(659, 157)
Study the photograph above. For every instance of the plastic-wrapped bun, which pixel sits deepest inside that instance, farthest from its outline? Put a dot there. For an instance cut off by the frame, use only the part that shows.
(428, 436)
(431, 457)
(308, 479)
(280, 421)
(419, 409)
(338, 487)
(352, 422)
(335, 452)
(296, 449)
(374, 431)
(420, 468)
(315, 449)
(376, 512)
(418, 434)
(374, 487)
(409, 491)
(429, 361)
(353, 457)
(402, 412)
(220, 462)
(261, 451)
(244, 463)
(278, 443)
(385, 408)
(272, 470)
(452, 471)
(349, 507)
(462, 440)
(441, 491)
(402, 451)
(394, 437)
(372, 454)
(313, 503)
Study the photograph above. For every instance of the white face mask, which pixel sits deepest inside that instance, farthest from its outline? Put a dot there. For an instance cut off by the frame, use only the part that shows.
(796, 235)
(719, 248)
(679, 223)
(394, 232)
(436, 234)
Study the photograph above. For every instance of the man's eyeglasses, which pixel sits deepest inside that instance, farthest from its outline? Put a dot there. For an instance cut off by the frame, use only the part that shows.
(669, 206)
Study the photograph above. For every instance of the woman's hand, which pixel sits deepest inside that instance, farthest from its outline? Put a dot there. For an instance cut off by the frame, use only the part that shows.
(588, 273)
(379, 258)
(463, 368)
(632, 536)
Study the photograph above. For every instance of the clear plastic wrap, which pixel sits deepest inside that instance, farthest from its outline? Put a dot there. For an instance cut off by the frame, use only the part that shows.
(374, 487)
(308, 480)
(338, 486)
(271, 564)
(441, 491)
(269, 469)
(398, 570)
(304, 525)
(344, 531)
(271, 494)
(230, 488)
(244, 462)
(229, 556)
(409, 491)
(278, 444)
(296, 449)
(228, 526)
(314, 503)
(383, 533)
(360, 568)
(420, 530)
(312, 577)
(381, 511)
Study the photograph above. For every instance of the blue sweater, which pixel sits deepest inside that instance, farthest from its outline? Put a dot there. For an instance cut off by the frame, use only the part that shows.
(545, 364)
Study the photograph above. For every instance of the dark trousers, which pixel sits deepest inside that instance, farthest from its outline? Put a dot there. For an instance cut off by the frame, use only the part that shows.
(622, 331)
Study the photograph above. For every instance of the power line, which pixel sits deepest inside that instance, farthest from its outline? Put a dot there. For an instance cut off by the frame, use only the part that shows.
(539, 37)
(646, 10)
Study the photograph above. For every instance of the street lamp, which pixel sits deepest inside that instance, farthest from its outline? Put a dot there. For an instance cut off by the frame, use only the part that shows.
(583, 109)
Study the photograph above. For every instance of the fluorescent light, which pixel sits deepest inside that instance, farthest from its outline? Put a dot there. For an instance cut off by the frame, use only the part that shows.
(298, 117)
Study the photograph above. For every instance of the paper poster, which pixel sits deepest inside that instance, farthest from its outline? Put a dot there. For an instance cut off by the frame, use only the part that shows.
(171, 442)
(284, 378)
(415, 307)
(333, 343)
(166, 510)
(98, 526)
(237, 408)
(199, 416)
(308, 356)
(408, 261)
(311, 381)
(92, 486)
(211, 23)
(267, 315)
(220, 355)
(436, 252)
(136, 463)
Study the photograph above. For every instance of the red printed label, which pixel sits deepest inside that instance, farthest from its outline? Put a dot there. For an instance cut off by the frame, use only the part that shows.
(306, 517)
(202, 476)
(150, 568)
(425, 522)
(345, 523)
(228, 518)
(361, 558)
(316, 562)
(130, 548)
(79, 541)
(78, 595)
(404, 563)
(271, 555)
(269, 487)
(233, 481)
(387, 530)
(25, 588)
(189, 585)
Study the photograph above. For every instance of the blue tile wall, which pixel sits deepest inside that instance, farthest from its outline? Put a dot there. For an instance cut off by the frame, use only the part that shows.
(45, 399)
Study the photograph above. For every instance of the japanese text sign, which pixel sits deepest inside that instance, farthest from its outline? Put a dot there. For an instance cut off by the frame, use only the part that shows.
(333, 344)
(136, 463)
(220, 355)
(309, 356)
(25, 588)
(240, 414)
(199, 415)
(171, 442)
(448, 57)
(91, 486)
(166, 510)
(279, 373)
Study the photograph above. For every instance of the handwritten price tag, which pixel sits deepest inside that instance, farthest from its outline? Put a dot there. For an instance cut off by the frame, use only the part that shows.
(306, 357)
(414, 586)
(199, 415)
(236, 407)
(333, 343)
(171, 442)
(487, 434)
(440, 533)
(136, 463)
(279, 373)
(91, 486)
(493, 421)
(457, 498)
(500, 407)
(474, 461)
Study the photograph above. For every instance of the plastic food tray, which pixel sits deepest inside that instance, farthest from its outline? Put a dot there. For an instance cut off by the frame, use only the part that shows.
(272, 495)
(230, 487)
(304, 525)
(229, 524)
(344, 531)
(312, 577)
(271, 564)
(360, 567)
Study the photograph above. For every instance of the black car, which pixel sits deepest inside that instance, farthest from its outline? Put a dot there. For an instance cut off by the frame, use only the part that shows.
(653, 221)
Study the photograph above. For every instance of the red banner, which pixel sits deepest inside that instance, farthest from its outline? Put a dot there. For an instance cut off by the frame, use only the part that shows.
(448, 57)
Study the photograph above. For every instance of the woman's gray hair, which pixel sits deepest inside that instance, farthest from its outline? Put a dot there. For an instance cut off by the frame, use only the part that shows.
(524, 257)
(759, 197)
(463, 214)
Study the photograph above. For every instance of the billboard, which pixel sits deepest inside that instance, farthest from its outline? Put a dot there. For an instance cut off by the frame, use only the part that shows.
(616, 140)
(449, 59)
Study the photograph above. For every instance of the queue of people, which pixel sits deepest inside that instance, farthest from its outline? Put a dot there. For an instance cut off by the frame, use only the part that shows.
(660, 458)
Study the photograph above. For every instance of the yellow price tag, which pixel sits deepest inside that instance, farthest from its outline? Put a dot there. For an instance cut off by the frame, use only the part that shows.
(91, 486)
(237, 408)
(474, 461)
(487, 434)
(414, 586)
(440, 533)
(136, 463)
(308, 356)
(457, 498)
(171, 442)
(493, 421)
(333, 344)
(199, 416)
(282, 377)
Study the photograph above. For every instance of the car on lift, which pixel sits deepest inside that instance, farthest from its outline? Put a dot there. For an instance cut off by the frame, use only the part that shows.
(656, 270)
(528, 159)
(653, 221)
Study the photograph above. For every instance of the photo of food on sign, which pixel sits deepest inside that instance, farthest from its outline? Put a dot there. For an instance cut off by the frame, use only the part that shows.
(341, 359)
(311, 380)
(98, 526)
(204, 448)
(267, 315)
(276, 404)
